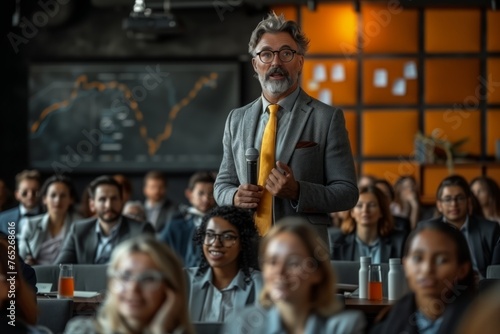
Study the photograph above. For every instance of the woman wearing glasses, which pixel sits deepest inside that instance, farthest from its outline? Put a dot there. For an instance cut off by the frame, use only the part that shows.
(367, 231)
(146, 293)
(41, 236)
(299, 287)
(227, 278)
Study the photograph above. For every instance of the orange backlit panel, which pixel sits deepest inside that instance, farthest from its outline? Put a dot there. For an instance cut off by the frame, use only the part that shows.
(452, 30)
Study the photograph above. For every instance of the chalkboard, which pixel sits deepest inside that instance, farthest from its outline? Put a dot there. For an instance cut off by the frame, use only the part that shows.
(110, 117)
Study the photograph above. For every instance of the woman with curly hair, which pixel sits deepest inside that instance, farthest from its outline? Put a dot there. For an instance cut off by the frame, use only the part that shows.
(228, 277)
(368, 231)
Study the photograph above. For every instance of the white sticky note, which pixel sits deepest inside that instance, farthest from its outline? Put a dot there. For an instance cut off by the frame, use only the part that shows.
(410, 70)
(319, 73)
(338, 73)
(325, 96)
(399, 87)
(380, 77)
(313, 85)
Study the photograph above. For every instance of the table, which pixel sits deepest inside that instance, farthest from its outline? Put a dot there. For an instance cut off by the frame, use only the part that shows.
(371, 308)
(81, 306)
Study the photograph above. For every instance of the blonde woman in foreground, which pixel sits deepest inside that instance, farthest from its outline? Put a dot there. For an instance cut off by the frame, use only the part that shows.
(299, 287)
(146, 293)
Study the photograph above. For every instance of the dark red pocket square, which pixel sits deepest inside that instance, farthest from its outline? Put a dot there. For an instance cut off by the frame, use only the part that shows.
(304, 144)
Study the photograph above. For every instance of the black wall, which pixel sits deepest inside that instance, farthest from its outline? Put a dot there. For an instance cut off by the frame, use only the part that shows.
(79, 31)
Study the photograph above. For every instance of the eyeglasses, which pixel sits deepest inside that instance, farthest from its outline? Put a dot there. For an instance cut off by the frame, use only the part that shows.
(450, 200)
(226, 239)
(285, 55)
(148, 280)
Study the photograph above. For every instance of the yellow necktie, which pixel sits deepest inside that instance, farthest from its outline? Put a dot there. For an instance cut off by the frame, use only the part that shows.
(267, 161)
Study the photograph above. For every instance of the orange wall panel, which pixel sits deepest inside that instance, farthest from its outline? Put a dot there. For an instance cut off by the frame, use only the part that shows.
(387, 133)
(391, 170)
(494, 173)
(351, 124)
(493, 79)
(453, 126)
(318, 77)
(388, 29)
(290, 12)
(453, 30)
(395, 70)
(451, 80)
(493, 31)
(433, 175)
(492, 131)
(332, 28)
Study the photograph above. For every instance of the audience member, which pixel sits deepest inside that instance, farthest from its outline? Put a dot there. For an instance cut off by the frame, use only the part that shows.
(487, 193)
(41, 237)
(368, 231)
(366, 180)
(84, 207)
(310, 170)
(227, 278)
(18, 309)
(453, 201)
(26, 193)
(438, 268)
(179, 233)
(407, 199)
(159, 209)
(400, 223)
(146, 293)
(92, 240)
(299, 287)
(338, 217)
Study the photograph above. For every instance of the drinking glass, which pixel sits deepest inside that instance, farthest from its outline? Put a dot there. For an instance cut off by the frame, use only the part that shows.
(66, 286)
(375, 282)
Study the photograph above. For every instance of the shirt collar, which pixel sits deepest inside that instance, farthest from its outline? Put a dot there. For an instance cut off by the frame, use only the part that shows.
(112, 233)
(276, 326)
(465, 226)
(362, 243)
(285, 103)
(237, 282)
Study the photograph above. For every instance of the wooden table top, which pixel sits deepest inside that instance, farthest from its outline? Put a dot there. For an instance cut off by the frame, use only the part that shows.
(366, 305)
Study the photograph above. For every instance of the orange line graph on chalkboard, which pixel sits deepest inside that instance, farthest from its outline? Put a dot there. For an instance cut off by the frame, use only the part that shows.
(82, 84)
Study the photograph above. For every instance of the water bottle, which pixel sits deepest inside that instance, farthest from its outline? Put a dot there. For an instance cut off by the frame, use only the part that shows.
(364, 262)
(395, 279)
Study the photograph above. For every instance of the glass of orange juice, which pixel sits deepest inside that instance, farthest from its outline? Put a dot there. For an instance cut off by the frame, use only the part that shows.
(375, 282)
(66, 287)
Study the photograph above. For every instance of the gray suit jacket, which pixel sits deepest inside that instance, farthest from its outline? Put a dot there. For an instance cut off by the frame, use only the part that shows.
(197, 287)
(36, 230)
(80, 245)
(317, 150)
(257, 320)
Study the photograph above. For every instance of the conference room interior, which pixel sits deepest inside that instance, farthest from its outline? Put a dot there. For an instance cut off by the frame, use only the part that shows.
(91, 88)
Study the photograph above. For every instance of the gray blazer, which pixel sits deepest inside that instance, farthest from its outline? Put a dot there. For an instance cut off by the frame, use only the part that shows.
(318, 151)
(197, 291)
(36, 230)
(80, 245)
(256, 319)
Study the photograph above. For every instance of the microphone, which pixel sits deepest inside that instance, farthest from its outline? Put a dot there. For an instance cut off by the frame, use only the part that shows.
(252, 155)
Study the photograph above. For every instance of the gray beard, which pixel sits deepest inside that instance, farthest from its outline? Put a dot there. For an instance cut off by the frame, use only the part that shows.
(276, 87)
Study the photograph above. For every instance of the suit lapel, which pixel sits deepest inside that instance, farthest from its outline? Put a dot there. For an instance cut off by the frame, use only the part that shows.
(92, 250)
(475, 243)
(385, 248)
(249, 124)
(300, 113)
(348, 249)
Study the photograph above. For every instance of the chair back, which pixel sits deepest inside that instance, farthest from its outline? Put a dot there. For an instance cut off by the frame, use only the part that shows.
(54, 313)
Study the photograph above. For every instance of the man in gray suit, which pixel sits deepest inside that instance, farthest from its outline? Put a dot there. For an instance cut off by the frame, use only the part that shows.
(314, 172)
(92, 241)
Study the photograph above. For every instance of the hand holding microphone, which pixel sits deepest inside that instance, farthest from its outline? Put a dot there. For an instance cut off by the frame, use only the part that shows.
(249, 194)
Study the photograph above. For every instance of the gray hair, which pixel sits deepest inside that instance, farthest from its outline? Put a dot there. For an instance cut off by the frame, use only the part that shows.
(274, 24)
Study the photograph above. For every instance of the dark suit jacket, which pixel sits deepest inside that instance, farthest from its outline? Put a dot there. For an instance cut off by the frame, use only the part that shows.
(317, 150)
(11, 215)
(168, 210)
(483, 237)
(80, 245)
(342, 246)
(178, 234)
(401, 317)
